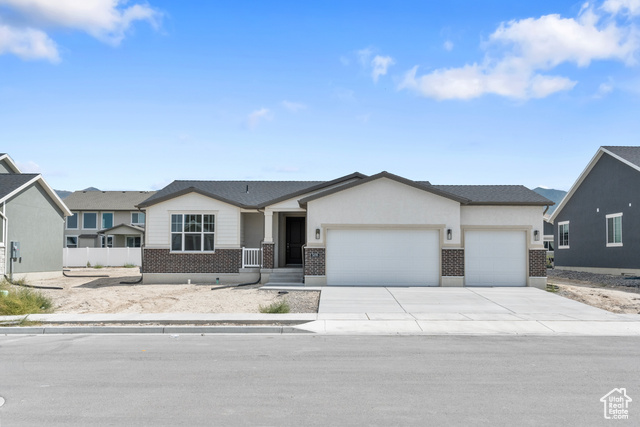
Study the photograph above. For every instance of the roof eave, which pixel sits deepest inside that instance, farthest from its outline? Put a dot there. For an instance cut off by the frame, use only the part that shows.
(188, 190)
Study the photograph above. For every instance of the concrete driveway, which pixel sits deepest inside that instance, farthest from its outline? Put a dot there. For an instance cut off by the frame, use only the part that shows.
(461, 311)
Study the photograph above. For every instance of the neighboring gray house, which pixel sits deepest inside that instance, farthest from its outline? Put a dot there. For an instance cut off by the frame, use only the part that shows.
(597, 224)
(30, 214)
(103, 219)
(354, 230)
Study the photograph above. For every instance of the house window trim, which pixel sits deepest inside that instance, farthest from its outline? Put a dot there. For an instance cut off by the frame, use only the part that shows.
(202, 233)
(77, 241)
(97, 223)
(560, 245)
(138, 223)
(113, 219)
(101, 239)
(66, 222)
(614, 244)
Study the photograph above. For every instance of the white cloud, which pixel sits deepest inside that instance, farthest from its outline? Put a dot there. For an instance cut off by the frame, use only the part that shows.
(258, 116)
(448, 45)
(294, 107)
(632, 7)
(27, 43)
(29, 167)
(526, 49)
(604, 89)
(380, 65)
(106, 20)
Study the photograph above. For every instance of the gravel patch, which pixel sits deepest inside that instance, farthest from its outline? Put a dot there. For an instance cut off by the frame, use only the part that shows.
(594, 279)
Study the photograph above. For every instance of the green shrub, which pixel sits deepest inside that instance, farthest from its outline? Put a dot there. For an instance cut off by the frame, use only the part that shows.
(23, 301)
(281, 306)
(98, 266)
(129, 266)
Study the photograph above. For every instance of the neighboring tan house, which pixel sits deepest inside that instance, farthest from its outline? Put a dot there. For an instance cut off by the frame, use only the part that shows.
(355, 230)
(30, 217)
(105, 219)
(597, 225)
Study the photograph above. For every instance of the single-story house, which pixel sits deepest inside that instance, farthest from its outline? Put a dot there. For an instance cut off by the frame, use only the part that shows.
(596, 226)
(31, 216)
(355, 230)
(105, 219)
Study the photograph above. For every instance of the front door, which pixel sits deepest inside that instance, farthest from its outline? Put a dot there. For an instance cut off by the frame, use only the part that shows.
(295, 239)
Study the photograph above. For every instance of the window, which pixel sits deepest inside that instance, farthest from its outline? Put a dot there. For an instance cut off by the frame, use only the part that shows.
(90, 221)
(133, 241)
(614, 229)
(72, 241)
(107, 220)
(72, 221)
(548, 245)
(109, 241)
(137, 218)
(563, 235)
(192, 232)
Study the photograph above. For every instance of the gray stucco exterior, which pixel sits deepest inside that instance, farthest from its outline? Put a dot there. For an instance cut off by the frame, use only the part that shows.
(610, 187)
(34, 221)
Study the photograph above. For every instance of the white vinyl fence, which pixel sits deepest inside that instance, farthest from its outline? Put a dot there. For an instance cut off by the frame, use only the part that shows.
(108, 257)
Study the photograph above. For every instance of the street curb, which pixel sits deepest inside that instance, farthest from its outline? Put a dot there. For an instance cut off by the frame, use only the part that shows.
(171, 330)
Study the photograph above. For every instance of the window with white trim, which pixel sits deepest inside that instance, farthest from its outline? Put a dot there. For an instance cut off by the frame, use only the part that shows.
(614, 229)
(90, 221)
(563, 235)
(133, 242)
(72, 221)
(109, 241)
(107, 220)
(137, 218)
(71, 242)
(192, 232)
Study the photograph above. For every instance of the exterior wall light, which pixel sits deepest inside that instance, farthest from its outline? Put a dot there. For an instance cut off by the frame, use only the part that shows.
(317, 234)
(536, 235)
(449, 234)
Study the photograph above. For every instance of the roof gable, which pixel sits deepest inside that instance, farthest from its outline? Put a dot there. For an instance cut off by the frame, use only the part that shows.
(7, 160)
(626, 155)
(12, 184)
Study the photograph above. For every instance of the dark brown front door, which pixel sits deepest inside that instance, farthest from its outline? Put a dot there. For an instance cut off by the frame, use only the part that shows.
(295, 239)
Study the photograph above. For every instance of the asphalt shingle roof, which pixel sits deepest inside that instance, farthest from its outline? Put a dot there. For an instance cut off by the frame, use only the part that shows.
(496, 194)
(12, 181)
(630, 154)
(106, 200)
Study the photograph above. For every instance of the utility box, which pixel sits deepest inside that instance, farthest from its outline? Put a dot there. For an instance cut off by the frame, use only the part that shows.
(15, 250)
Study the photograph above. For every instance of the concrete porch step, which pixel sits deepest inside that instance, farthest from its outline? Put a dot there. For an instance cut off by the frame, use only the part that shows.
(286, 276)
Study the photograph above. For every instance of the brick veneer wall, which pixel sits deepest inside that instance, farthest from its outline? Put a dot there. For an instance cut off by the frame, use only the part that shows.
(537, 263)
(314, 265)
(453, 262)
(267, 255)
(221, 261)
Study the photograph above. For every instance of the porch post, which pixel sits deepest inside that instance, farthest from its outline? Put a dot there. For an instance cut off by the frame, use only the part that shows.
(268, 244)
(268, 226)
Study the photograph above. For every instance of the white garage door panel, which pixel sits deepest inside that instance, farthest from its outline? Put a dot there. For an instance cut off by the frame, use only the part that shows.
(373, 257)
(495, 258)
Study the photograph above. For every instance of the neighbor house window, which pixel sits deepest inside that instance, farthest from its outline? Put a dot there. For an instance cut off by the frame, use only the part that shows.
(109, 243)
(90, 221)
(614, 229)
(563, 235)
(72, 221)
(192, 232)
(72, 241)
(133, 241)
(107, 220)
(137, 218)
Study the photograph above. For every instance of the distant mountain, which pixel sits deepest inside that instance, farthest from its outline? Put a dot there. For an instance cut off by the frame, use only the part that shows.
(63, 193)
(91, 189)
(551, 194)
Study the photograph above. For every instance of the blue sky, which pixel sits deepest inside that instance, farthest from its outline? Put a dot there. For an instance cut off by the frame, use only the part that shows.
(132, 95)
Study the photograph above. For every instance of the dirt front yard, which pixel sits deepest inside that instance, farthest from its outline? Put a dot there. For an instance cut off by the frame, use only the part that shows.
(612, 293)
(83, 295)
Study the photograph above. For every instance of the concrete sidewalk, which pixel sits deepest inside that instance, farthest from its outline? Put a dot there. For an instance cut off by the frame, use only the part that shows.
(374, 310)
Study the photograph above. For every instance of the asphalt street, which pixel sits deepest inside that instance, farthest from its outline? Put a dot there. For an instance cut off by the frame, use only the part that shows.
(299, 380)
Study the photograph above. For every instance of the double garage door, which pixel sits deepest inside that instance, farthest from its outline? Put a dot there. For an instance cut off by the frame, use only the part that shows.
(383, 257)
(411, 257)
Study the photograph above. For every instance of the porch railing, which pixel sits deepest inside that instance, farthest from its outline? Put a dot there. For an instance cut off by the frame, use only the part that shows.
(251, 257)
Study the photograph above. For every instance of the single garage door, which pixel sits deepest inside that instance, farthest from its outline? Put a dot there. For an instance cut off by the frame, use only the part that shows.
(495, 258)
(380, 257)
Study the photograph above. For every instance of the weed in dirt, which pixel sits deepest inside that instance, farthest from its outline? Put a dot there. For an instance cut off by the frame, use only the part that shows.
(129, 266)
(22, 301)
(275, 307)
(98, 266)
